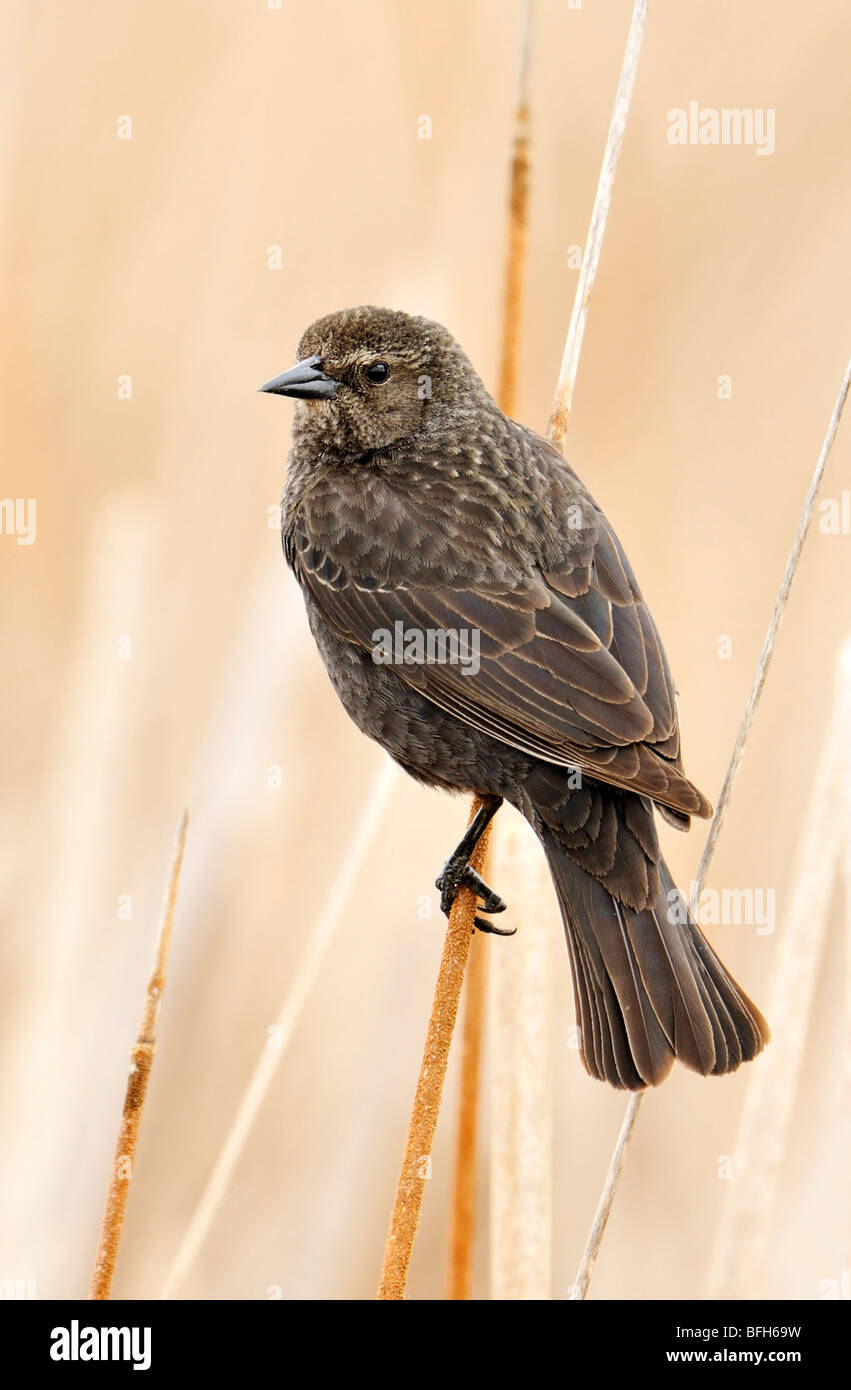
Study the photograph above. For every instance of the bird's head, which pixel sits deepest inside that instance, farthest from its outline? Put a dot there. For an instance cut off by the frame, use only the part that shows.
(367, 378)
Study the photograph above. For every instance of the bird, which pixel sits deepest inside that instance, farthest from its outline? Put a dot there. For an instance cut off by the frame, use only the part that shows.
(479, 619)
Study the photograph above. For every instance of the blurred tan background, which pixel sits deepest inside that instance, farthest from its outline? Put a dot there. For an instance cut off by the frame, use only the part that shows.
(254, 128)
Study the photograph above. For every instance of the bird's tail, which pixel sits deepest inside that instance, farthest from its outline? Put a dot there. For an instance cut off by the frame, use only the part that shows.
(648, 985)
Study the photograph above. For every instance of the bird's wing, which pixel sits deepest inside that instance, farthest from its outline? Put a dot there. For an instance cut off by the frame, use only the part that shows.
(570, 667)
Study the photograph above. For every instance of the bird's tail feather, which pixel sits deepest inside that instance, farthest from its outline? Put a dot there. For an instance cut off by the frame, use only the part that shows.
(648, 985)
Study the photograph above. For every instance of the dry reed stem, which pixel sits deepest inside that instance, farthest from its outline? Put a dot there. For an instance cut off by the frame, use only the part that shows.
(91, 752)
(563, 404)
(560, 417)
(517, 231)
(141, 1061)
(557, 430)
(845, 814)
(579, 1289)
(521, 1077)
(289, 1013)
(416, 1160)
(521, 1099)
(462, 1220)
(749, 1213)
(804, 521)
(601, 1216)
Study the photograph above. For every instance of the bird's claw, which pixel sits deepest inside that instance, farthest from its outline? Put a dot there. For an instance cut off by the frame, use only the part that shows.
(484, 926)
(460, 874)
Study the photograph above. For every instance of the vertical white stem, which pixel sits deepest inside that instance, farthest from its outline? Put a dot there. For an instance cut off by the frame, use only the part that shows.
(521, 1072)
(521, 1163)
(749, 1213)
(845, 814)
(597, 229)
(298, 991)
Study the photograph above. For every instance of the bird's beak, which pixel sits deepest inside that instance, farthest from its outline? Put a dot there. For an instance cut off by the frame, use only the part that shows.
(305, 380)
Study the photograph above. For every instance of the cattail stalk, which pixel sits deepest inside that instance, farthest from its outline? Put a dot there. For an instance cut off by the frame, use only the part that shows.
(141, 1061)
(462, 1220)
(416, 1162)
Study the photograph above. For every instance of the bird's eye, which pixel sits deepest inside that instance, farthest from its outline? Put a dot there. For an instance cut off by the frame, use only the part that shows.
(377, 372)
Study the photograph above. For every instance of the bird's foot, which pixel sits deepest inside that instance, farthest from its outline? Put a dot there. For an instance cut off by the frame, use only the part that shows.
(459, 873)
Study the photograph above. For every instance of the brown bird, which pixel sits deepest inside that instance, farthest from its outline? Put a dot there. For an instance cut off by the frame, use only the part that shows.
(479, 619)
